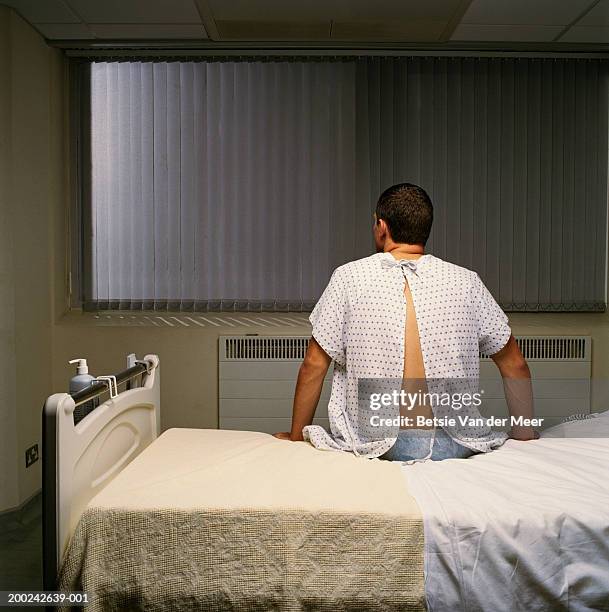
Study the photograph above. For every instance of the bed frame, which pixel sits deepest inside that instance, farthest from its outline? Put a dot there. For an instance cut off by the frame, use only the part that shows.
(79, 460)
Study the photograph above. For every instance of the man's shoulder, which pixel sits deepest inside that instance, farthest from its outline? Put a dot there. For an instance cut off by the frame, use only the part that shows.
(358, 266)
(448, 268)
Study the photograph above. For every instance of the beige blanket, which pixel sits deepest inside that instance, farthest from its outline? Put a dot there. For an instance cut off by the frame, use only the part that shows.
(221, 520)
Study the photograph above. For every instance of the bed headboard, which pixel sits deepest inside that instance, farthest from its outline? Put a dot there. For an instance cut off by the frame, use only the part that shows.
(79, 460)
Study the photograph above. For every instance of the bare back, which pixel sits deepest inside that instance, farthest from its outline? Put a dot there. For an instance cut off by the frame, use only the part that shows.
(414, 367)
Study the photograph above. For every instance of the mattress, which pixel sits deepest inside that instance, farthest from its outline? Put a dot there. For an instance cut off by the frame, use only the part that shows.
(524, 528)
(227, 520)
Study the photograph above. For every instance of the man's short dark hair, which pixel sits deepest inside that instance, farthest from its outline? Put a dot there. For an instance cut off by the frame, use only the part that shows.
(408, 213)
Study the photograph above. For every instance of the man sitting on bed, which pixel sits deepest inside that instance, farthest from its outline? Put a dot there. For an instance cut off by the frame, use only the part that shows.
(408, 316)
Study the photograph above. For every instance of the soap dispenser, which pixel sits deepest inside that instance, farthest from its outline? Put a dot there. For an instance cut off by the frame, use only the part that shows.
(81, 381)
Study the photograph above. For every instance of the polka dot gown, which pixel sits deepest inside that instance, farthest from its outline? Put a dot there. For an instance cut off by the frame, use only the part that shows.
(360, 320)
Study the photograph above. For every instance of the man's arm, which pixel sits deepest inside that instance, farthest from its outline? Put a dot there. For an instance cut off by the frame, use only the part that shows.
(517, 385)
(308, 389)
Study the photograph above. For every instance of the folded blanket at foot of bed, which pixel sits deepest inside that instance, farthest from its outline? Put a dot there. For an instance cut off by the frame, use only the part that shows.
(218, 520)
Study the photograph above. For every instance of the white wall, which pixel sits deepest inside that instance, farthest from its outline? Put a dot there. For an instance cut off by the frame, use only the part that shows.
(9, 485)
(31, 161)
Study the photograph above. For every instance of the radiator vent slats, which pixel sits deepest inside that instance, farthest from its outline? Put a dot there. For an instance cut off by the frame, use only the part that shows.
(553, 348)
(290, 348)
(263, 348)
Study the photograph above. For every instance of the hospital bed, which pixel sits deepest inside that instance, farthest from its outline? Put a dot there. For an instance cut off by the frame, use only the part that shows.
(219, 520)
(229, 520)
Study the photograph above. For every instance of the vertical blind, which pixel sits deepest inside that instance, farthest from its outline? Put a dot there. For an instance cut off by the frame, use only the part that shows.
(513, 153)
(242, 185)
(220, 185)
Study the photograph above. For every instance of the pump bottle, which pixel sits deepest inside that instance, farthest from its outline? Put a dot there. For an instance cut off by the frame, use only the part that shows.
(81, 381)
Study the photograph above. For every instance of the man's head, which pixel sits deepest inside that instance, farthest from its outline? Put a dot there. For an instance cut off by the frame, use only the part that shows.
(404, 215)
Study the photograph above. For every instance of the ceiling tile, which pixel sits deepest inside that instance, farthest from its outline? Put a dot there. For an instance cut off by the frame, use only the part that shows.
(43, 11)
(586, 34)
(272, 30)
(58, 31)
(337, 10)
(597, 16)
(136, 11)
(500, 33)
(525, 12)
(404, 31)
(147, 30)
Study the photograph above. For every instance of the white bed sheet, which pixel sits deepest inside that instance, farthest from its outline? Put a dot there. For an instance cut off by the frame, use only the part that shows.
(525, 527)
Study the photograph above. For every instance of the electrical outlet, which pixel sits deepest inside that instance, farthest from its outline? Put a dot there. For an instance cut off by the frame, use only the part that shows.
(31, 455)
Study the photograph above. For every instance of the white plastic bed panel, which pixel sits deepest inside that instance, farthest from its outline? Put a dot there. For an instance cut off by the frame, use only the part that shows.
(95, 450)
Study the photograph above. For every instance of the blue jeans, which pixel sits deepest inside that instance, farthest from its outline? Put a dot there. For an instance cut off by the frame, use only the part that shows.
(413, 444)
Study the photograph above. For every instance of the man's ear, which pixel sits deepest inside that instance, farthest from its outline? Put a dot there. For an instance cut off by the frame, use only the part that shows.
(382, 227)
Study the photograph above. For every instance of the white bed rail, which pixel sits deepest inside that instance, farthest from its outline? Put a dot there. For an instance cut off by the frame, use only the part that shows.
(79, 460)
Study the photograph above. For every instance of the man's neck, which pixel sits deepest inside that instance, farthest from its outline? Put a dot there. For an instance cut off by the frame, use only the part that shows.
(405, 251)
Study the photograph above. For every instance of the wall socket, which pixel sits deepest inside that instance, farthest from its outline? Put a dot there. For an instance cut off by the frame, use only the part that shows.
(31, 455)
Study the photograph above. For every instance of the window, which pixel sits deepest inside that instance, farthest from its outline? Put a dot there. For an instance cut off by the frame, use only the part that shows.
(241, 185)
(220, 185)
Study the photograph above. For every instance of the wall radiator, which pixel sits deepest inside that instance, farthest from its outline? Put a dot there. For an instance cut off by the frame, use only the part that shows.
(257, 375)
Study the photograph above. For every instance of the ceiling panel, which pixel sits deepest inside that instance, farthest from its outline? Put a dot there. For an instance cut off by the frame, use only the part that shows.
(597, 16)
(337, 10)
(318, 20)
(65, 31)
(136, 11)
(525, 12)
(43, 11)
(499, 33)
(587, 34)
(147, 30)
(272, 30)
(401, 31)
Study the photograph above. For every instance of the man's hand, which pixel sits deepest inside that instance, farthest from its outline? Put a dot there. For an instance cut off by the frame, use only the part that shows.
(523, 434)
(283, 435)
